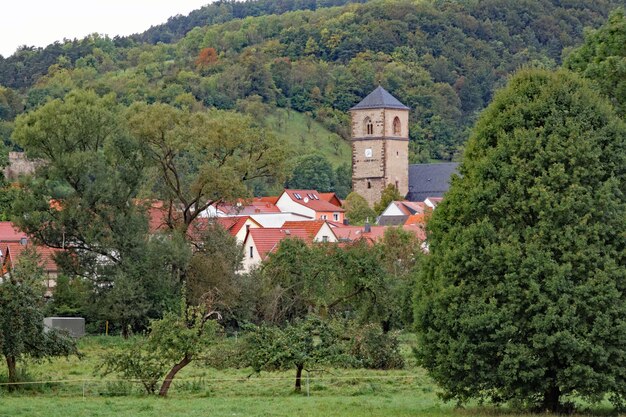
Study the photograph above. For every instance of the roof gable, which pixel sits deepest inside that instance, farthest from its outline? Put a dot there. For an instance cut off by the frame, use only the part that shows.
(380, 98)
(266, 240)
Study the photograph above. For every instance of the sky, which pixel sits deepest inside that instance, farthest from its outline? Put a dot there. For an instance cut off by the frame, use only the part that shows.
(42, 22)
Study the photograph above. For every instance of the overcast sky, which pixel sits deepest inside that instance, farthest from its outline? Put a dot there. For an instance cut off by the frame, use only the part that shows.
(41, 22)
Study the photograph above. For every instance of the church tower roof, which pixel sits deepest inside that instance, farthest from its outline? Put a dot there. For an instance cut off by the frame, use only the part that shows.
(380, 99)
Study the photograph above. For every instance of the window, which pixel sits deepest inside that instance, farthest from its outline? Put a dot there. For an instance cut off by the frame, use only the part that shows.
(368, 153)
(323, 217)
(397, 127)
(397, 188)
(369, 184)
(324, 238)
(336, 217)
(251, 252)
(369, 126)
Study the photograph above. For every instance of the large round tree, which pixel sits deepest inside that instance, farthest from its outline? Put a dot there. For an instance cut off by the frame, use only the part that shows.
(524, 294)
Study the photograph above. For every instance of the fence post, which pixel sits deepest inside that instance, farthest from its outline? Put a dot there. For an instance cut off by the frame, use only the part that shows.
(308, 391)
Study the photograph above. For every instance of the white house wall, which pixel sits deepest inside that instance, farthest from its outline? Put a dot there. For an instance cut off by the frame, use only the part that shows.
(286, 204)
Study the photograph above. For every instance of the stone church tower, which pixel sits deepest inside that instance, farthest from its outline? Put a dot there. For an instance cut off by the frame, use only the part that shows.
(380, 145)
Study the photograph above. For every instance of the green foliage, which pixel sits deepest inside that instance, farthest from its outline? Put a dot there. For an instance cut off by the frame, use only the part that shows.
(202, 158)
(357, 209)
(522, 297)
(375, 349)
(173, 342)
(602, 58)
(312, 172)
(443, 60)
(22, 333)
(69, 298)
(302, 344)
(389, 195)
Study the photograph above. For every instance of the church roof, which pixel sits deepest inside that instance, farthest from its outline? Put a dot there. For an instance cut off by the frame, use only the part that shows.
(380, 98)
(429, 180)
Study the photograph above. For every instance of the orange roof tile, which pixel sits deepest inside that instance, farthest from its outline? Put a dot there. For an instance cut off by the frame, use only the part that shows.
(267, 240)
(313, 200)
(13, 251)
(312, 227)
(331, 198)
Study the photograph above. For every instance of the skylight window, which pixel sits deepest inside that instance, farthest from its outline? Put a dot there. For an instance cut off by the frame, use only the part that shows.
(298, 196)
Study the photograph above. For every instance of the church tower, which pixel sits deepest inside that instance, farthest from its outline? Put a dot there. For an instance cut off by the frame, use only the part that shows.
(380, 145)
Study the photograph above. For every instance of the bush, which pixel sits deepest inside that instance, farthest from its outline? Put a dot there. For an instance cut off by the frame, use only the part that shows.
(375, 349)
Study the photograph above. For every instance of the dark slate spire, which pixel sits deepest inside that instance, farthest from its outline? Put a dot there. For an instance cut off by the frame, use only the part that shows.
(380, 98)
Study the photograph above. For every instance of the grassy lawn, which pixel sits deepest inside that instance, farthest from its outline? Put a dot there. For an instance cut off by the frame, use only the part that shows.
(203, 391)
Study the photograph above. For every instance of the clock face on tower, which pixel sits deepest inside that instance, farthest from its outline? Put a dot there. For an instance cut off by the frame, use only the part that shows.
(368, 153)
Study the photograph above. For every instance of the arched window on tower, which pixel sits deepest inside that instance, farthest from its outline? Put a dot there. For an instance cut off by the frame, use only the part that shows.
(397, 127)
(368, 126)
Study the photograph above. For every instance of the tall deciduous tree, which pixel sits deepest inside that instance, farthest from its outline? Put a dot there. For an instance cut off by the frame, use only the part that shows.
(524, 294)
(202, 158)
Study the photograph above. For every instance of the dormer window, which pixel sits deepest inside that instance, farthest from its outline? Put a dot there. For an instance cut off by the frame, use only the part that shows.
(369, 126)
(397, 126)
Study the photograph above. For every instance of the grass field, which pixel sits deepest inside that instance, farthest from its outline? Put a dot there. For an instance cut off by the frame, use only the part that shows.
(204, 391)
(305, 136)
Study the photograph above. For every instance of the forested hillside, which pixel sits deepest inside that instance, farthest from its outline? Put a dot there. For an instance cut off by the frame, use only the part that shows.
(442, 58)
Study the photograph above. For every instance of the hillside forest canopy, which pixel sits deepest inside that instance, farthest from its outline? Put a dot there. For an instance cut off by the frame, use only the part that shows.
(274, 60)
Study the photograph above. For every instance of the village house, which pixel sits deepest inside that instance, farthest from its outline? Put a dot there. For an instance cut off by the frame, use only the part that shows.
(311, 204)
(259, 243)
(14, 244)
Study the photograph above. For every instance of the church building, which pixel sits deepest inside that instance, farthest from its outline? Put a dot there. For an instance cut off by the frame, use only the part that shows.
(380, 152)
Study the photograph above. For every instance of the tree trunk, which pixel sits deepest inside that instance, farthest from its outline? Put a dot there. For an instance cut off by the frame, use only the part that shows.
(299, 378)
(11, 364)
(172, 373)
(552, 399)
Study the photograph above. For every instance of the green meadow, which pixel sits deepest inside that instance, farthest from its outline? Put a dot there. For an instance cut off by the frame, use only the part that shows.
(71, 387)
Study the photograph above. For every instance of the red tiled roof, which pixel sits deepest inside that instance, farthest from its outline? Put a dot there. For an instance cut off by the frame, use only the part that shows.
(248, 208)
(312, 227)
(416, 219)
(313, 200)
(331, 198)
(232, 224)
(10, 233)
(13, 251)
(267, 240)
(271, 200)
(352, 233)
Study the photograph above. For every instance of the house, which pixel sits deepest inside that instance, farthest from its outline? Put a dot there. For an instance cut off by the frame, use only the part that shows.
(13, 245)
(259, 243)
(236, 226)
(309, 203)
(318, 230)
(397, 212)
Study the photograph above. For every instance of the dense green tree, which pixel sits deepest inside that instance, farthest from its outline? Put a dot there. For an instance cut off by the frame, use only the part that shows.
(357, 209)
(301, 345)
(312, 172)
(522, 296)
(202, 158)
(22, 333)
(602, 58)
